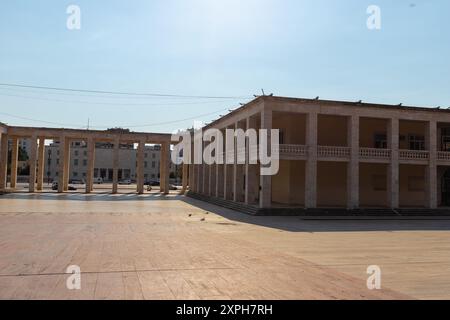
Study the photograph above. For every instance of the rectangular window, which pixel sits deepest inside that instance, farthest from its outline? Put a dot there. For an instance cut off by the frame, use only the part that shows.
(416, 142)
(75, 152)
(153, 164)
(85, 162)
(75, 162)
(380, 141)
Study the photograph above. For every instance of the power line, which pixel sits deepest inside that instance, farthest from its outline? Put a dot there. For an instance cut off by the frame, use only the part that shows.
(113, 103)
(119, 92)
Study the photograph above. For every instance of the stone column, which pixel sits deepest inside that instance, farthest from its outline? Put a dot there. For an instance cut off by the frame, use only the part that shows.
(41, 164)
(90, 165)
(32, 160)
(140, 167)
(61, 166)
(116, 166)
(265, 198)
(311, 162)
(66, 151)
(165, 168)
(185, 177)
(431, 170)
(353, 164)
(251, 175)
(14, 161)
(3, 161)
(394, 166)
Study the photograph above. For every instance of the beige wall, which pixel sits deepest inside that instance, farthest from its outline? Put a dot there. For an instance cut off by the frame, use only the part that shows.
(412, 177)
(332, 131)
(368, 128)
(288, 186)
(331, 184)
(293, 126)
(371, 194)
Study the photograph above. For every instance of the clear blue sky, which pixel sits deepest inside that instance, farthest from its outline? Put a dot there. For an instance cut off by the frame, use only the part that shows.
(301, 48)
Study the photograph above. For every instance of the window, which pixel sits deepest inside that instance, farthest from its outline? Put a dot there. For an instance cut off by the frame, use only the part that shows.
(153, 156)
(416, 142)
(85, 153)
(281, 136)
(85, 162)
(145, 164)
(380, 141)
(75, 152)
(75, 162)
(153, 164)
(75, 174)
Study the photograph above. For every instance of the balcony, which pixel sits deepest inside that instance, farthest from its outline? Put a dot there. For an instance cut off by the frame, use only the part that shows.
(443, 156)
(293, 151)
(333, 153)
(414, 155)
(375, 154)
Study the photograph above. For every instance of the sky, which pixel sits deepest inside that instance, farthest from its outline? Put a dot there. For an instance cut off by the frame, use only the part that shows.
(227, 50)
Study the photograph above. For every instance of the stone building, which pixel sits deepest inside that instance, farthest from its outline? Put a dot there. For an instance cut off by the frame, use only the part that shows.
(336, 154)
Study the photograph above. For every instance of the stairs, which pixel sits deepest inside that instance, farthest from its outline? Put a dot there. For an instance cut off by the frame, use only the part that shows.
(237, 206)
(323, 212)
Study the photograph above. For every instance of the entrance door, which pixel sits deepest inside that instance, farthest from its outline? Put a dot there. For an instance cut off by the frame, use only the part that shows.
(446, 188)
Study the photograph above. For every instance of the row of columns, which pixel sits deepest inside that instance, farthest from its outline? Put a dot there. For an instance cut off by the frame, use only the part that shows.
(228, 178)
(36, 162)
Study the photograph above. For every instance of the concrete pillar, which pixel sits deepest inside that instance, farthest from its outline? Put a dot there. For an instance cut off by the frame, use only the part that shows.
(66, 152)
(140, 167)
(185, 177)
(251, 175)
(353, 164)
(165, 168)
(61, 166)
(90, 165)
(14, 161)
(3, 161)
(32, 160)
(311, 162)
(41, 164)
(115, 166)
(191, 177)
(394, 166)
(265, 195)
(431, 170)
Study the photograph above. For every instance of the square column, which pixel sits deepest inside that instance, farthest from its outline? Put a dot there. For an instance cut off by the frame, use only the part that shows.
(431, 170)
(185, 177)
(265, 198)
(394, 166)
(61, 167)
(33, 154)
(115, 166)
(40, 169)
(90, 165)
(353, 164)
(3, 161)
(165, 168)
(311, 162)
(251, 175)
(140, 168)
(14, 161)
(66, 164)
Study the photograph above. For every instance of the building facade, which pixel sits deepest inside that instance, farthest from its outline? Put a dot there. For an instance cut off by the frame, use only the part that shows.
(103, 163)
(336, 154)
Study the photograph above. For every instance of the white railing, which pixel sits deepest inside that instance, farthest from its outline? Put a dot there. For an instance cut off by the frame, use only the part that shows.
(372, 153)
(443, 156)
(293, 150)
(414, 155)
(333, 152)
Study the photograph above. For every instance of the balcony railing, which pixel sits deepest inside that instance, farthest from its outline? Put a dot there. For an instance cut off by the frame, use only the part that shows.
(333, 152)
(414, 155)
(293, 151)
(443, 156)
(375, 154)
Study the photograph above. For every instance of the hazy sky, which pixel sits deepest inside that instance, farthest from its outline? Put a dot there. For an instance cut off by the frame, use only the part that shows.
(300, 48)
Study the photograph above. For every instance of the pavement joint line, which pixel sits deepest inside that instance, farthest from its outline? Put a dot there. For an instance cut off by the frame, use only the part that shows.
(111, 272)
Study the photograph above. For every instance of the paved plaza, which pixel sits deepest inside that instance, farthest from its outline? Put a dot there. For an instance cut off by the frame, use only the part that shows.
(150, 246)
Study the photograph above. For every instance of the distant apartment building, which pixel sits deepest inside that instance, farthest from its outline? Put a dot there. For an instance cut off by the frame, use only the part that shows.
(103, 162)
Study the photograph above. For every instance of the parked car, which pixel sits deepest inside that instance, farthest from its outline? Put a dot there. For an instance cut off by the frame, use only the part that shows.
(98, 180)
(75, 181)
(172, 187)
(55, 186)
(152, 183)
(125, 181)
